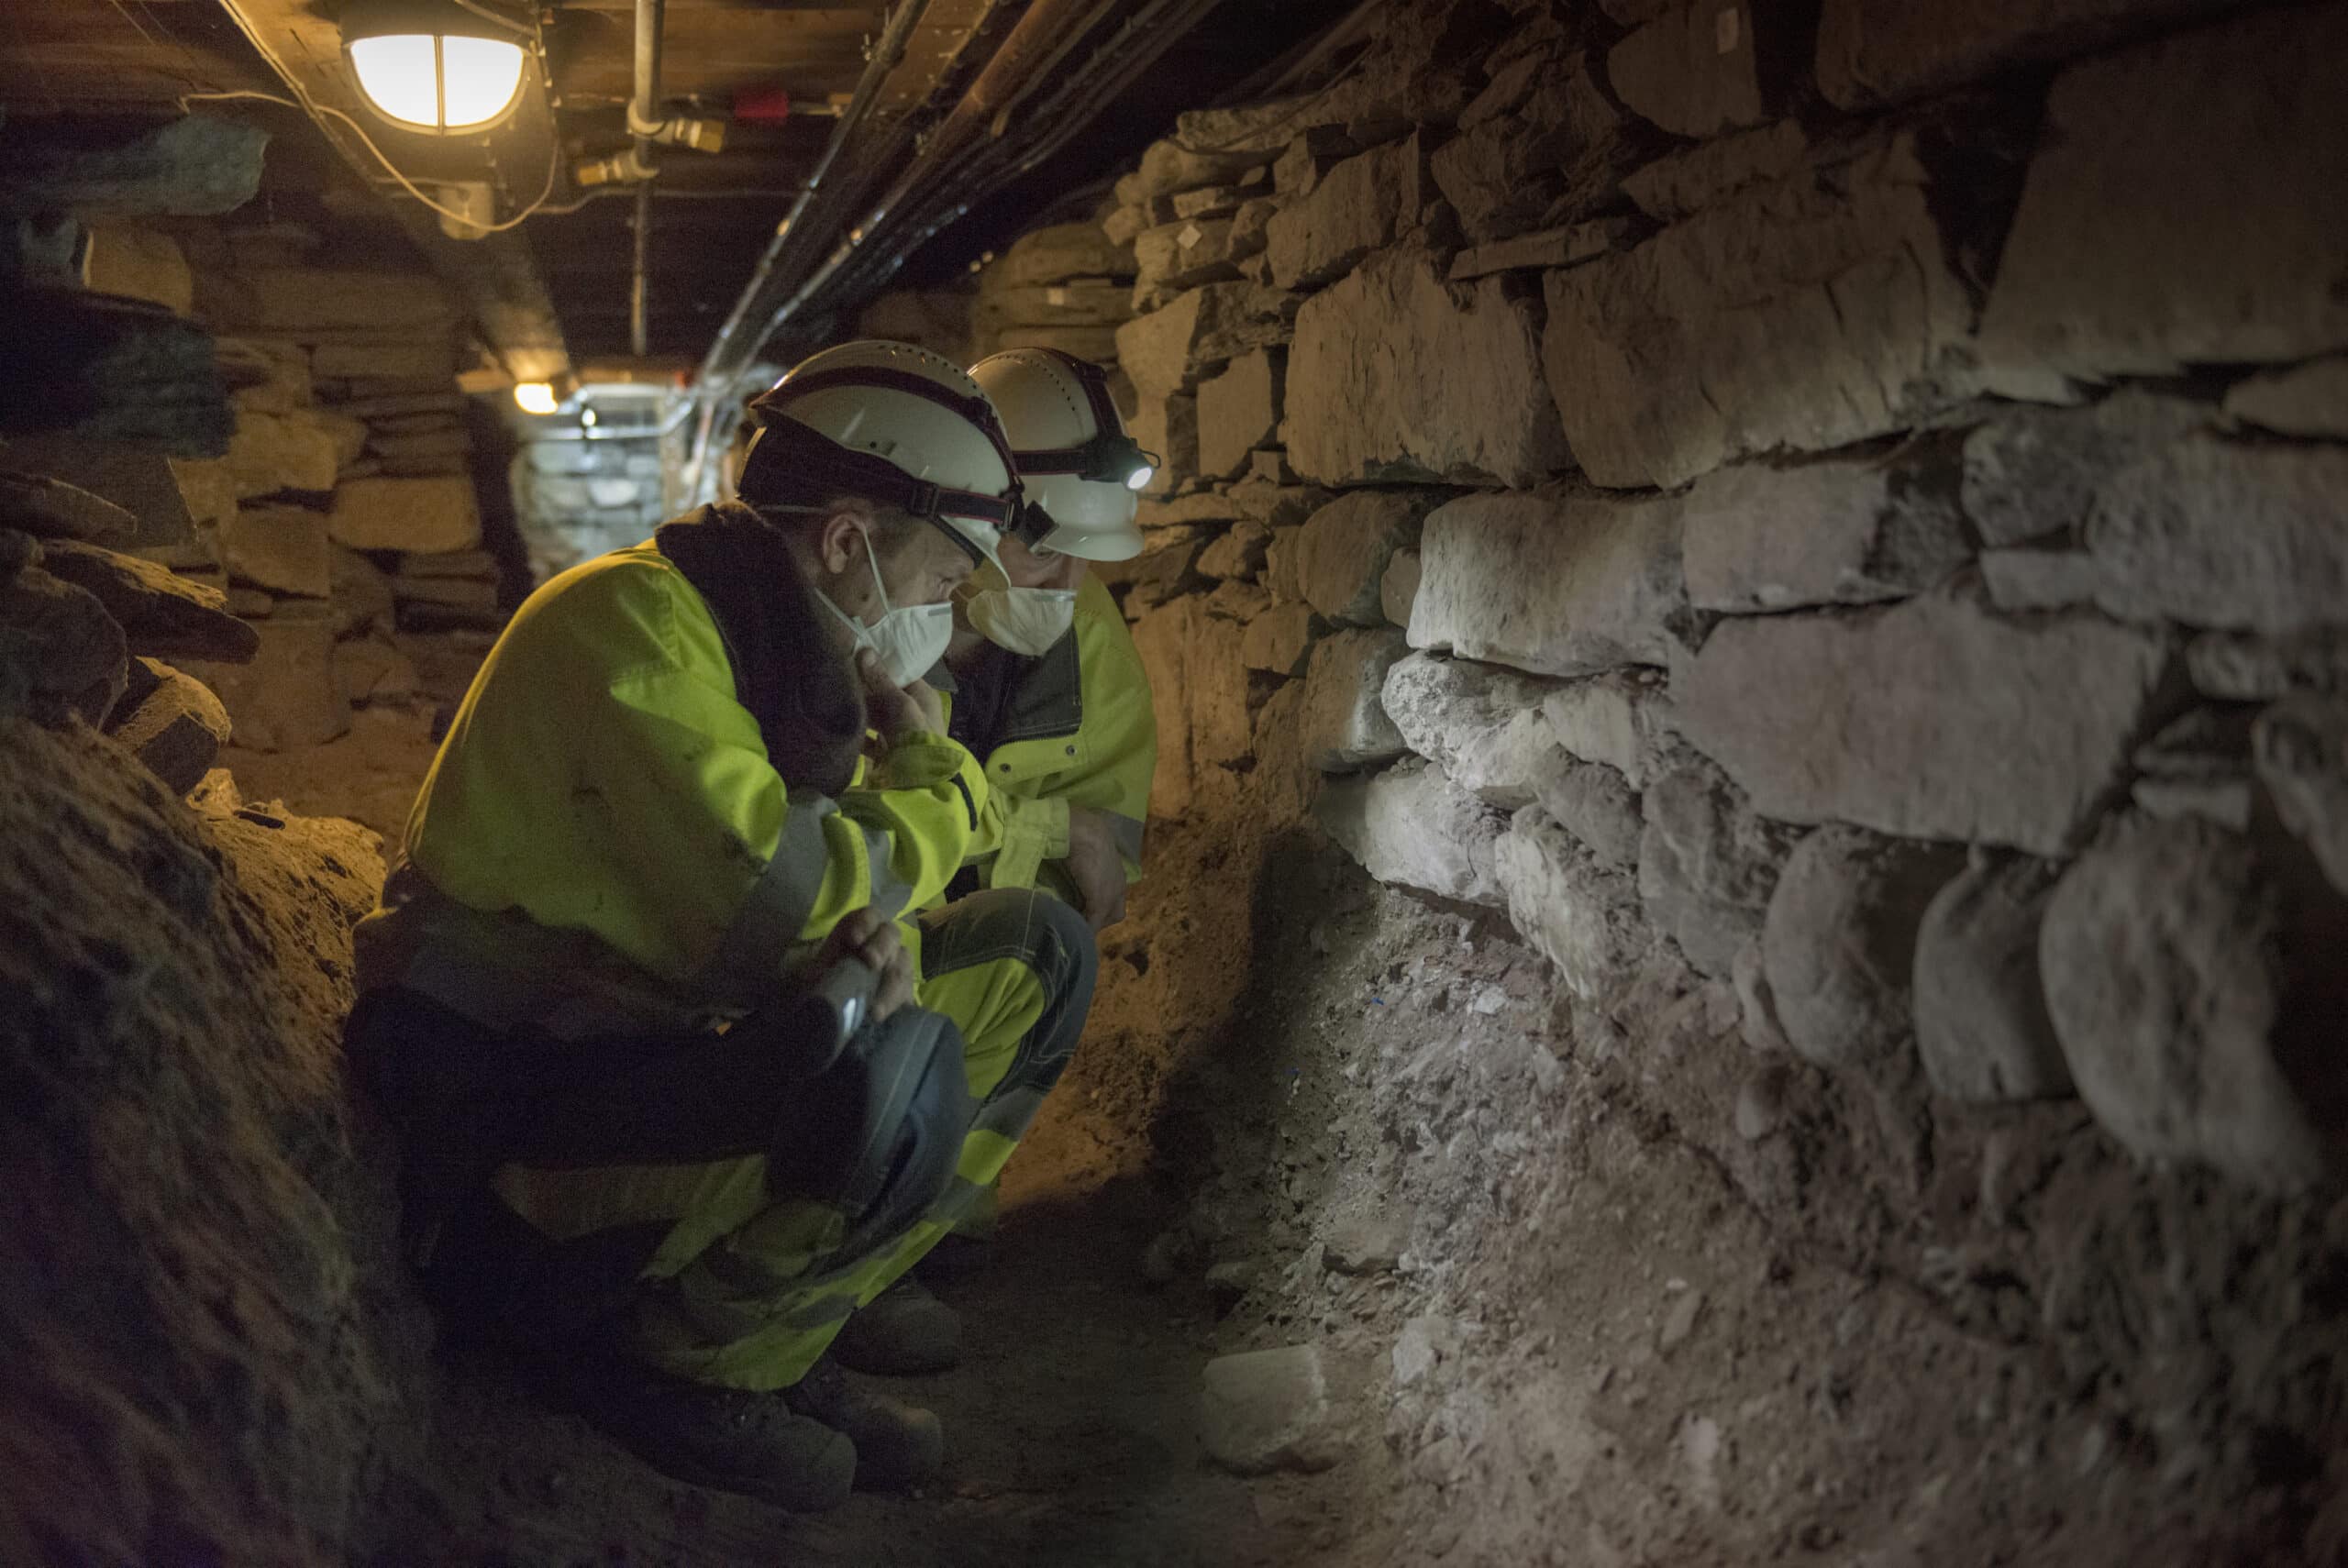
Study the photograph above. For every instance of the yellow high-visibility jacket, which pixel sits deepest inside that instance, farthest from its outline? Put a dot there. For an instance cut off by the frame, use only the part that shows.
(1079, 731)
(601, 778)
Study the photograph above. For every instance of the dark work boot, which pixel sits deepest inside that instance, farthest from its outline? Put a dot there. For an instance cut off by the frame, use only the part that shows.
(728, 1438)
(906, 1332)
(897, 1447)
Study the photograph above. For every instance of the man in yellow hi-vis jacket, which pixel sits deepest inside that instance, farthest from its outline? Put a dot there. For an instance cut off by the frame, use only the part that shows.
(694, 782)
(1051, 696)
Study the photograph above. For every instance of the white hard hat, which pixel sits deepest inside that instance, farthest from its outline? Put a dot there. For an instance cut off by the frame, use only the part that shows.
(1080, 472)
(897, 425)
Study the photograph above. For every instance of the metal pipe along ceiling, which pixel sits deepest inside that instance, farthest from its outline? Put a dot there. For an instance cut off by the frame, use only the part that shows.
(727, 352)
(643, 111)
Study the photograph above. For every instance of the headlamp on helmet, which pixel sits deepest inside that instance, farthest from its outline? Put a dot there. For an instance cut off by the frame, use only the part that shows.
(1110, 457)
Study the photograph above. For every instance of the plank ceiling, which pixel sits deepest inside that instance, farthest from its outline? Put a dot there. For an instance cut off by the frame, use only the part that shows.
(713, 214)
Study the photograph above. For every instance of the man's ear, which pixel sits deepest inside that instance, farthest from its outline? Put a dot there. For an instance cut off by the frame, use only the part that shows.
(836, 542)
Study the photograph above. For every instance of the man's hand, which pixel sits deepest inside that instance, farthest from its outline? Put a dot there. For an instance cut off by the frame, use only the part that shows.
(866, 936)
(896, 711)
(1096, 867)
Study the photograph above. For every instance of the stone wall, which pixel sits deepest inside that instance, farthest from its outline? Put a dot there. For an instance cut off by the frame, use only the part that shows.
(1632, 476)
(1832, 522)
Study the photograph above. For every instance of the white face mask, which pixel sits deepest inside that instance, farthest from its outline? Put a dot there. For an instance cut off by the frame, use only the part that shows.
(1026, 620)
(908, 642)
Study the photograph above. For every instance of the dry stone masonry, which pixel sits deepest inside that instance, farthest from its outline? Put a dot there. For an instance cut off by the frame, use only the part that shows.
(1697, 481)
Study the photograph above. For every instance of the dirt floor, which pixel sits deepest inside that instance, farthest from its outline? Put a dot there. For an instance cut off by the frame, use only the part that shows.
(1597, 1283)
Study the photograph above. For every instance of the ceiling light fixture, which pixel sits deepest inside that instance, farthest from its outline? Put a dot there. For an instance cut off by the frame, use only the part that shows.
(432, 65)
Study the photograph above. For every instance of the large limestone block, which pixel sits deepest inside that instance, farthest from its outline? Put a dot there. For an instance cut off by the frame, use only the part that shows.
(268, 376)
(51, 509)
(1596, 804)
(1802, 314)
(1342, 725)
(1279, 639)
(1878, 51)
(2300, 748)
(287, 697)
(1238, 554)
(1982, 1022)
(1169, 167)
(172, 723)
(1271, 1409)
(1706, 863)
(2184, 207)
(1482, 722)
(1551, 581)
(140, 264)
(1622, 719)
(1694, 71)
(2308, 400)
(430, 514)
(1580, 914)
(1361, 205)
(1672, 188)
(140, 479)
(1412, 825)
(1306, 160)
(1239, 411)
(1398, 588)
(1183, 255)
(2236, 667)
(2164, 957)
(300, 449)
(1060, 251)
(308, 303)
(1538, 252)
(1558, 157)
(1165, 350)
(1216, 697)
(1398, 374)
(1839, 944)
(282, 548)
(1343, 552)
(161, 612)
(1933, 719)
(59, 648)
(2220, 535)
(1827, 533)
(2036, 471)
(1168, 427)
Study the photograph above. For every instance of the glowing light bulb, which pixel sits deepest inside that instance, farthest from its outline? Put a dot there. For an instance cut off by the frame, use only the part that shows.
(426, 65)
(1139, 478)
(533, 397)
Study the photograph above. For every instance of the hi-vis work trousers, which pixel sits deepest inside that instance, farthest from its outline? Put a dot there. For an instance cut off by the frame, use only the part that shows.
(674, 1249)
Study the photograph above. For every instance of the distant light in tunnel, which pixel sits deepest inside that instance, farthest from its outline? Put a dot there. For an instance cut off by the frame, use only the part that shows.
(533, 397)
(432, 66)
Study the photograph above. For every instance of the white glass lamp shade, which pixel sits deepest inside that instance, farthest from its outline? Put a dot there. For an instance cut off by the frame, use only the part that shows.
(428, 78)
